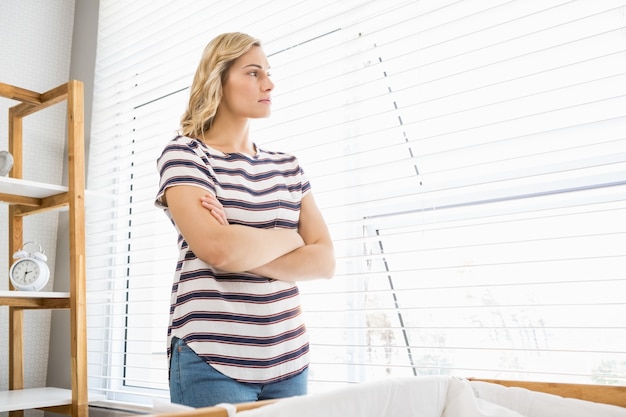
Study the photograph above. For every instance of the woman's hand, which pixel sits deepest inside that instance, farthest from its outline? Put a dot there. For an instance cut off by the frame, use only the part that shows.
(211, 203)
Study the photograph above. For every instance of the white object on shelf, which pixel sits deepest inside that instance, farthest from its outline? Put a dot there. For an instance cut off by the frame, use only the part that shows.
(6, 162)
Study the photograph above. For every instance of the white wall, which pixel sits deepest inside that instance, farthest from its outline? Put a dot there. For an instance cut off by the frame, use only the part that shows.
(35, 53)
(82, 68)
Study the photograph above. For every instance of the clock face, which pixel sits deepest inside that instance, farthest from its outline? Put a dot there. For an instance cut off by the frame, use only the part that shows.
(25, 272)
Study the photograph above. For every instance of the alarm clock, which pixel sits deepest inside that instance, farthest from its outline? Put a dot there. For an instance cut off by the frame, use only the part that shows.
(30, 271)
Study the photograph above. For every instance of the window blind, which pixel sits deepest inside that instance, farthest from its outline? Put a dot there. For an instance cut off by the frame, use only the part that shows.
(469, 158)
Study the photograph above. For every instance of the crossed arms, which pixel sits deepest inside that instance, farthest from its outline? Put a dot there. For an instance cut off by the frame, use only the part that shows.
(283, 254)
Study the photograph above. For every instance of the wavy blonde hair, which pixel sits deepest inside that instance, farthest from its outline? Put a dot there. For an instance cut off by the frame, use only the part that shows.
(206, 90)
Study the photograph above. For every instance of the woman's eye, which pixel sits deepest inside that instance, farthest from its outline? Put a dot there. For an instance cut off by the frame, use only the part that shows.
(254, 73)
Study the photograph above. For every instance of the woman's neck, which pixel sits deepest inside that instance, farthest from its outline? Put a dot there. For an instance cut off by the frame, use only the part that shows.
(229, 137)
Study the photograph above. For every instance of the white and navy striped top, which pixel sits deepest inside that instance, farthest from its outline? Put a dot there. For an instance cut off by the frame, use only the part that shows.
(246, 326)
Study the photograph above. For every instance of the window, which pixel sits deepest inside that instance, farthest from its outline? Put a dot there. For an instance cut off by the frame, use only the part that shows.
(469, 158)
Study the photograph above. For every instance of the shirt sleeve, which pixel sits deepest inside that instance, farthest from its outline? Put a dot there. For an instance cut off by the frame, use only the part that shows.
(304, 181)
(183, 163)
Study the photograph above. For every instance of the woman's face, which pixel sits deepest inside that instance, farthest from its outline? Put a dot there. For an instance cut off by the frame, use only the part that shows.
(246, 92)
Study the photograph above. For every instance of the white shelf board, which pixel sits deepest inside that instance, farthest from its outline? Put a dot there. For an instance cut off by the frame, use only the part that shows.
(34, 294)
(25, 188)
(32, 189)
(25, 399)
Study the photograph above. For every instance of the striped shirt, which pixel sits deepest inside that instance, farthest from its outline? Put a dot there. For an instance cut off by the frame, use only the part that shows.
(246, 326)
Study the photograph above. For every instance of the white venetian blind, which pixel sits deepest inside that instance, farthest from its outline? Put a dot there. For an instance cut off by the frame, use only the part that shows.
(469, 158)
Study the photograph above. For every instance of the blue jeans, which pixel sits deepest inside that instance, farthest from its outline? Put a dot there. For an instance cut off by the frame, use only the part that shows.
(195, 383)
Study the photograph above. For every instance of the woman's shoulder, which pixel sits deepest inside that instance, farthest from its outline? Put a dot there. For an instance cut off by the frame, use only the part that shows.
(182, 143)
(276, 156)
(180, 148)
(183, 140)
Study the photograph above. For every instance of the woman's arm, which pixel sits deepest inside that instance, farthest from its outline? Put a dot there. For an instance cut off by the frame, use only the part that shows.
(316, 259)
(232, 248)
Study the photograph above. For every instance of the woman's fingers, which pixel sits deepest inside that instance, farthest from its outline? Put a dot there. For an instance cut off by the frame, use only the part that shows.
(211, 203)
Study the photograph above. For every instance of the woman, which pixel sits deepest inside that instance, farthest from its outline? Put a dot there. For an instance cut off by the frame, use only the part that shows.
(249, 228)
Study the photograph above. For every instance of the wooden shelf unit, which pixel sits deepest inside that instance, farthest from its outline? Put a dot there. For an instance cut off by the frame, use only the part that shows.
(27, 198)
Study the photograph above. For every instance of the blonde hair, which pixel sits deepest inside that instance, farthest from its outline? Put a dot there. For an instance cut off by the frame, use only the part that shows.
(206, 90)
